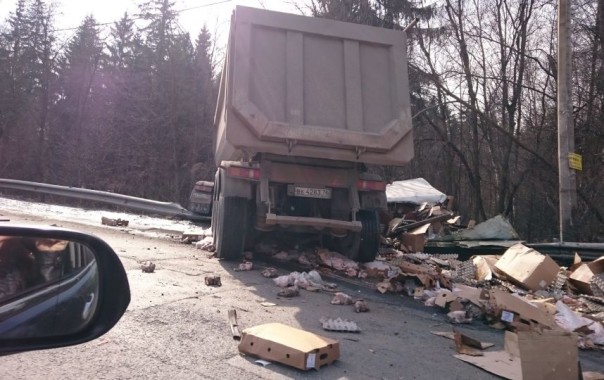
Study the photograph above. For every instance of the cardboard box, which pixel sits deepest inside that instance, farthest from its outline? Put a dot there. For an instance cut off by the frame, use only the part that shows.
(527, 267)
(582, 276)
(288, 345)
(415, 239)
(532, 355)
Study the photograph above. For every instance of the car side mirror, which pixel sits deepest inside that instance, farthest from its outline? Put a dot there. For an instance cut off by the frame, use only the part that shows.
(58, 288)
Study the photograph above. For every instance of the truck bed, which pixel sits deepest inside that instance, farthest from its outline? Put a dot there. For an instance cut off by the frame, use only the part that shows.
(310, 87)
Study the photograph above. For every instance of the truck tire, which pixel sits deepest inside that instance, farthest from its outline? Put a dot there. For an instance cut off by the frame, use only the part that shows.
(231, 226)
(347, 245)
(370, 235)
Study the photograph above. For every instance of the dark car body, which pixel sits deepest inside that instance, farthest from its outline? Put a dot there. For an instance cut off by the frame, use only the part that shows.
(200, 200)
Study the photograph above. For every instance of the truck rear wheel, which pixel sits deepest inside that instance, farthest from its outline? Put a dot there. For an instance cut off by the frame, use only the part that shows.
(231, 225)
(361, 246)
(370, 235)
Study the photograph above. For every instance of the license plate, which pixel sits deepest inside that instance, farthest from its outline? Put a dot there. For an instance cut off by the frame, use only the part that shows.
(310, 192)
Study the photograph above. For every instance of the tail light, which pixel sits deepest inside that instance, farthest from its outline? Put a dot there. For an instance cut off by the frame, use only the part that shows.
(245, 173)
(204, 189)
(364, 185)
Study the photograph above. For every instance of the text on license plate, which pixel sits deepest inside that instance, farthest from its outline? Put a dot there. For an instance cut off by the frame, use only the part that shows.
(310, 192)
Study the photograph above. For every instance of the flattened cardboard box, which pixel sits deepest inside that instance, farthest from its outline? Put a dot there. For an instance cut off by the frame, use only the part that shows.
(528, 267)
(288, 345)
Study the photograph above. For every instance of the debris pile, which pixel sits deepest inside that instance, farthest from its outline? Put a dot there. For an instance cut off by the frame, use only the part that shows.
(114, 222)
(521, 290)
(148, 267)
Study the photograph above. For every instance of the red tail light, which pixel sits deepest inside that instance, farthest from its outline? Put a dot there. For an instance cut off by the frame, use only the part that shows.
(364, 185)
(245, 173)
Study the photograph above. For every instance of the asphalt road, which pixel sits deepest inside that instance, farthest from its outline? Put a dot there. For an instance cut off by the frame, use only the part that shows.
(176, 327)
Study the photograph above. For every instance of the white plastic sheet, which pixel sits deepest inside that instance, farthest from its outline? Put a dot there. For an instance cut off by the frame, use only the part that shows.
(416, 190)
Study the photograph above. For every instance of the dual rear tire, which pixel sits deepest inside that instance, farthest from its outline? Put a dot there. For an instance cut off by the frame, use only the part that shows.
(229, 226)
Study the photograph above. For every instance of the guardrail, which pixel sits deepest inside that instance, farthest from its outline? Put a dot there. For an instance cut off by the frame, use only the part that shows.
(141, 204)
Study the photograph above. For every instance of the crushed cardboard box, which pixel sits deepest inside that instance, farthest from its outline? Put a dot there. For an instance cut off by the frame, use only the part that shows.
(515, 310)
(582, 276)
(527, 267)
(288, 345)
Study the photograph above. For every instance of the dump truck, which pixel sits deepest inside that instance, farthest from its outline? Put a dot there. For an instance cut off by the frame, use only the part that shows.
(305, 106)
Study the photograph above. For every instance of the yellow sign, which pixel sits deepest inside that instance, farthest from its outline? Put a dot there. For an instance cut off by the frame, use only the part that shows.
(575, 161)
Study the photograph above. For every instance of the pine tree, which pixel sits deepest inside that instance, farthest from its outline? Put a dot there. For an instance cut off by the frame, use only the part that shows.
(78, 73)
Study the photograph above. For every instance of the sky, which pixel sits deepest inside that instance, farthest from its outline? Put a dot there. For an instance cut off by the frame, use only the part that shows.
(195, 13)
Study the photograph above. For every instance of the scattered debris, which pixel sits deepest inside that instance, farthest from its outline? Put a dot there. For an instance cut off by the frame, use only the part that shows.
(212, 281)
(148, 267)
(196, 234)
(589, 331)
(304, 260)
(306, 280)
(283, 281)
(268, 304)
(206, 244)
(473, 342)
(244, 266)
(339, 325)
(290, 346)
(114, 222)
(269, 272)
(379, 269)
(458, 317)
(384, 287)
(263, 363)
(341, 299)
(517, 290)
(234, 324)
(466, 345)
(360, 306)
(338, 262)
(290, 291)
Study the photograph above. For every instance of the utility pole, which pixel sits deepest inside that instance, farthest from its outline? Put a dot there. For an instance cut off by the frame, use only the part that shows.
(566, 132)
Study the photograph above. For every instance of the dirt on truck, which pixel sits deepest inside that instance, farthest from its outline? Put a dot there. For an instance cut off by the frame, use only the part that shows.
(305, 104)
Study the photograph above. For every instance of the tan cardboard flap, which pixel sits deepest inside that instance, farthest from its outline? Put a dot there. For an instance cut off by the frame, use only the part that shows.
(528, 267)
(420, 230)
(532, 355)
(499, 363)
(548, 355)
(288, 345)
(470, 293)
